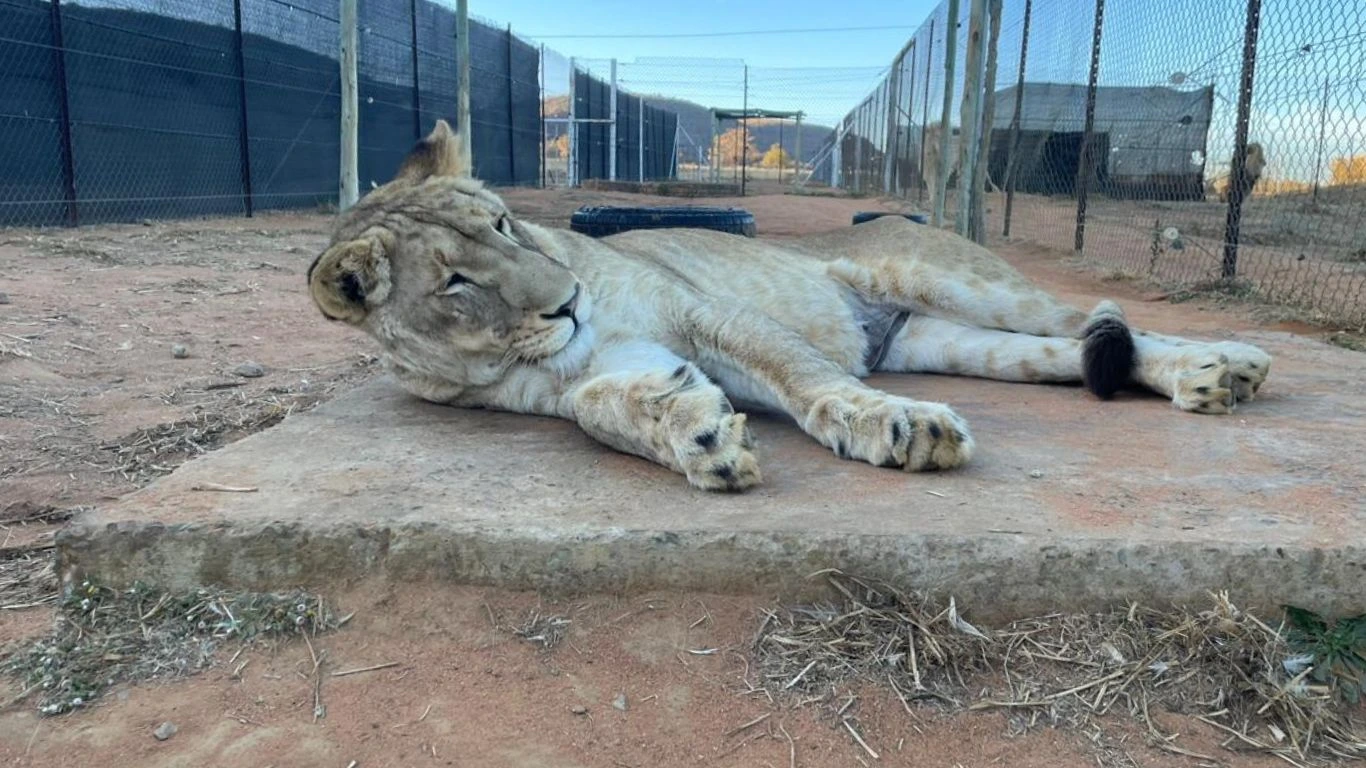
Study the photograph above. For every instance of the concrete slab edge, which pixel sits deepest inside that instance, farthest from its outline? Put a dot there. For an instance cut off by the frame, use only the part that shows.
(996, 576)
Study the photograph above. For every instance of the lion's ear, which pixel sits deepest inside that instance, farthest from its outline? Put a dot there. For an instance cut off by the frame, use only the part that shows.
(441, 153)
(350, 278)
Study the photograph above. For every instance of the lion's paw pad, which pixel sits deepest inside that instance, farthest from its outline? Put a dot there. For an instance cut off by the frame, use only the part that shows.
(1248, 368)
(1207, 388)
(906, 434)
(721, 457)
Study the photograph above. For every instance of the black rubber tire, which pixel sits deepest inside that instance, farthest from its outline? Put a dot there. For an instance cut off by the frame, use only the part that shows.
(601, 221)
(862, 216)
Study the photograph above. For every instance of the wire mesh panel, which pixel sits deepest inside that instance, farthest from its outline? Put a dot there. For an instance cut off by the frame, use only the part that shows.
(123, 109)
(150, 110)
(646, 135)
(33, 184)
(1193, 144)
(293, 102)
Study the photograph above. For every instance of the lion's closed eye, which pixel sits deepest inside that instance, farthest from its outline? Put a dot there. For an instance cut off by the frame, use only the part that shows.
(455, 283)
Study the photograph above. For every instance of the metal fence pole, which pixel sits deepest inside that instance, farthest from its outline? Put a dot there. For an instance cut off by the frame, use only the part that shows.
(1086, 166)
(572, 128)
(512, 118)
(1015, 120)
(349, 182)
(950, 53)
(540, 90)
(417, 92)
(243, 134)
(64, 113)
(744, 136)
(909, 113)
(1323, 137)
(640, 141)
(462, 72)
(977, 227)
(713, 166)
(1238, 171)
(838, 156)
(970, 117)
(889, 142)
(925, 117)
(780, 151)
(612, 127)
(797, 158)
(673, 161)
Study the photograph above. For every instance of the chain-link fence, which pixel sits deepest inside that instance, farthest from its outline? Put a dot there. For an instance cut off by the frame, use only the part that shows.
(1215, 143)
(117, 110)
(740, 128)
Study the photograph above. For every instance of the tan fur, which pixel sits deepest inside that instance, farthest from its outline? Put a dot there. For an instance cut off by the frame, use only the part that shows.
(645, 338)
(1254, 163)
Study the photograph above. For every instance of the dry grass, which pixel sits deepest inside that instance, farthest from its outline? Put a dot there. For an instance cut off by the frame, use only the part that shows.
(26, 575)
(154, 451)
(103, 637)
(543, 630)
(1230, 669)
(26, 578)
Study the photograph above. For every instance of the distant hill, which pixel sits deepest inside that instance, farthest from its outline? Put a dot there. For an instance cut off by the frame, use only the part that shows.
(694, 119)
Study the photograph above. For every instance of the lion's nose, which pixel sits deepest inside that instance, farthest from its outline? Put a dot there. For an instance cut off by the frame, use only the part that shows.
(566, 309)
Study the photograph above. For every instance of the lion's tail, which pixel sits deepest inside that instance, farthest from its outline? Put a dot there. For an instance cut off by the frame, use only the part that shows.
(1107, 350)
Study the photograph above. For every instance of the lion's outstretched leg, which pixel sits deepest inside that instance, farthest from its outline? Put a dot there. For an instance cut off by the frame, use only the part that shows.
(757, 359)
(932, 345)
(1196, 377)
(985, 295)
(652, 403)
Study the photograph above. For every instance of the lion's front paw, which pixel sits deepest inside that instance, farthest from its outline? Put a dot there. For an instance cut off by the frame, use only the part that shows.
(894, 432)
(720, 456)
(1248, 367)
(1206, 386)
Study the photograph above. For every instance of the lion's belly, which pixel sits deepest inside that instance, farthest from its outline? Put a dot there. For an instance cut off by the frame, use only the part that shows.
(789, 287)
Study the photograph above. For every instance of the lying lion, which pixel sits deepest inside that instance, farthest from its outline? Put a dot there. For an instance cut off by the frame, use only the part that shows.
(644, 338)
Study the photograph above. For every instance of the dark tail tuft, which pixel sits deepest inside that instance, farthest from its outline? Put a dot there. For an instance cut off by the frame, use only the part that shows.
(1107, 351)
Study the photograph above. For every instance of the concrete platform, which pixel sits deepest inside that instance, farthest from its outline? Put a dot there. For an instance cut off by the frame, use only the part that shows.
(1071, 503)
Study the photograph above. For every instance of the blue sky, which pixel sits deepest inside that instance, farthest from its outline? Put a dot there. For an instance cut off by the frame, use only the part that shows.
(1184, 44)
(824, 73)
(540, 19)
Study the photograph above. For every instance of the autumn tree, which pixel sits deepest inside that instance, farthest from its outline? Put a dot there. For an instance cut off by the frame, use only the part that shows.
(1349, 170)
(733, 147)
(558, 147)
(776, 157)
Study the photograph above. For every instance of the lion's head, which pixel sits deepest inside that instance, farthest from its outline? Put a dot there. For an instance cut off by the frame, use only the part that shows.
(435, 268)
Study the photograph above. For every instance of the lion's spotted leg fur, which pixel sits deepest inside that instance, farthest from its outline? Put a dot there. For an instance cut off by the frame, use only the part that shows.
(932, 345)
(671, 415)
(765, 362)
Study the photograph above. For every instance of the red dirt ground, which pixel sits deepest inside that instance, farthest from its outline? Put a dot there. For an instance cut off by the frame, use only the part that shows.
(464, 694)
(86, 368)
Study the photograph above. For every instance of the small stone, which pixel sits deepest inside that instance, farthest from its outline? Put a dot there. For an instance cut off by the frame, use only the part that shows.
(165, 731)
(4, 298)
(250, 370)
(180, 351)
(1036, 474)
(620, 702)
(146, 222)
(579, 709)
